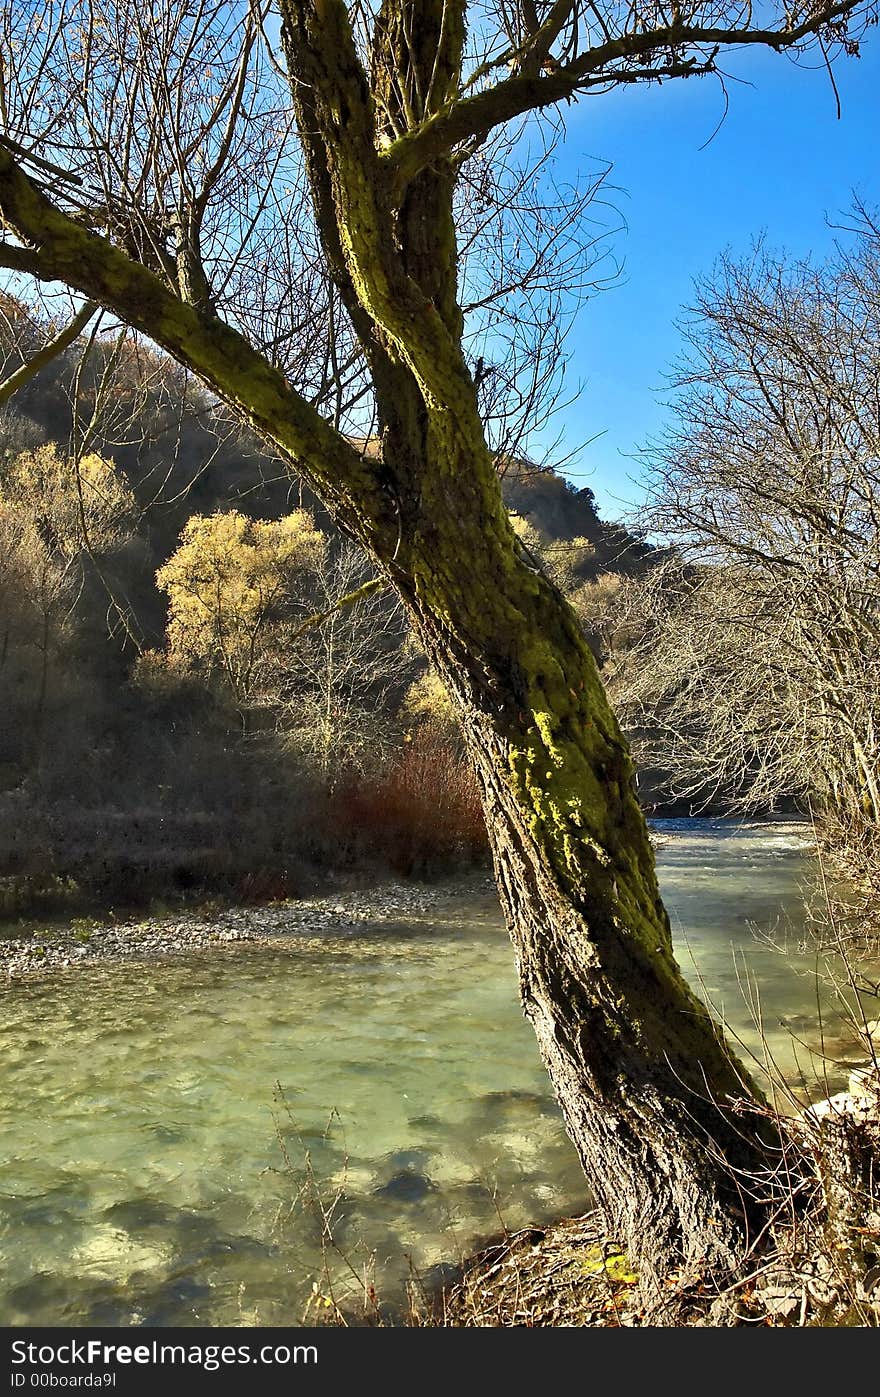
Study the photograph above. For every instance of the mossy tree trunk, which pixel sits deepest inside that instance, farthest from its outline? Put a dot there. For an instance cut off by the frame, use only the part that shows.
(644, 1079)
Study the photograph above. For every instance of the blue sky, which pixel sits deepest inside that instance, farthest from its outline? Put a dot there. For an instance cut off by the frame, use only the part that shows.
(779, 164)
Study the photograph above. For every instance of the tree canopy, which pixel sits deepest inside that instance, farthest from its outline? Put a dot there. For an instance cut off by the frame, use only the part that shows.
(231, 584)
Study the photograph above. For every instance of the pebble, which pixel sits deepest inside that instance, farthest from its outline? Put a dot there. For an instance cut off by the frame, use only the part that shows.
(64, 948)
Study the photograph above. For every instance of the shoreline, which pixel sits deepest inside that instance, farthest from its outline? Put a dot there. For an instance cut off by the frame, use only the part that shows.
(83, 943)
(66, 944)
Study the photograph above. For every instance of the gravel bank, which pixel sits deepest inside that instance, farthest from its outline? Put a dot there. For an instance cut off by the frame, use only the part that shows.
(340, 914)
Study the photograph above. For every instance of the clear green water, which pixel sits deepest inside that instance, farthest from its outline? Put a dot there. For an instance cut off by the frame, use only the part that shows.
(150, 1174)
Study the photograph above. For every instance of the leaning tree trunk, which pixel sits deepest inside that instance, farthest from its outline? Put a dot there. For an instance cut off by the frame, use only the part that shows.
(645, 1082)
(651, 1095)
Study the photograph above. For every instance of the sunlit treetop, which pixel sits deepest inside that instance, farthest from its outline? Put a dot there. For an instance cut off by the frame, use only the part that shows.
(72, 504)
(230, 583)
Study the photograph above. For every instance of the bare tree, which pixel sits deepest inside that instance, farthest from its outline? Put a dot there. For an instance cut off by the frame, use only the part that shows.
(758, 670)
(218, 183)
(330, 686)
(47, 352)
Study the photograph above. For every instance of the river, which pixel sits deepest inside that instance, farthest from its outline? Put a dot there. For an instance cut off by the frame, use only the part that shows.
(168, 1128)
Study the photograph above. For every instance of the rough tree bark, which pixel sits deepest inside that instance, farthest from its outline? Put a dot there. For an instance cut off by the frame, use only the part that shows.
(644, 1078)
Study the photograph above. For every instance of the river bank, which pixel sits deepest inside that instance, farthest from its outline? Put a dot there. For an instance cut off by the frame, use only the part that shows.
(36, 946)
(87, 941)
(816, 1265)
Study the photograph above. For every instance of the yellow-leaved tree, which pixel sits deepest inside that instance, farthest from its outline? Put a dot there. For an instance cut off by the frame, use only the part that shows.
(59, 513)
(75, 504)
(233, 585)
(562, 559)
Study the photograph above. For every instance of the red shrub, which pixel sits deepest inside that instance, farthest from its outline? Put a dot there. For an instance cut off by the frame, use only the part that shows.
(422, 814)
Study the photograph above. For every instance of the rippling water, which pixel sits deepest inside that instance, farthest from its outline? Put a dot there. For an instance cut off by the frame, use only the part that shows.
(153, 1172)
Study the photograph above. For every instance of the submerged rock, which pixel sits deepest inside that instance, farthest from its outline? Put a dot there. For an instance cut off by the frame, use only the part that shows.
(407, 1186)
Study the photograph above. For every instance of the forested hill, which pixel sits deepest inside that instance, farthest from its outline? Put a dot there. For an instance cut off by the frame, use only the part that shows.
(182, 455)
(563, 514)
(168, 724)
(158, 427)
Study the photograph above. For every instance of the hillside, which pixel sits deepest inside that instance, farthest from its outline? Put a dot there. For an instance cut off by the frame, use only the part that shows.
(126, 768)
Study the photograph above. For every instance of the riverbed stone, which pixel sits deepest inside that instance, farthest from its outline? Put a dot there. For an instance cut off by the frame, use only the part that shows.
(864, 1082)
(238, 928)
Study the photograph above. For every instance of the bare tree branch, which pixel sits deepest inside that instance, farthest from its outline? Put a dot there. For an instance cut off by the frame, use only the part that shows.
(19, 259)
(90, 263)
(63, 340)
(676, 50)
(317, 618)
